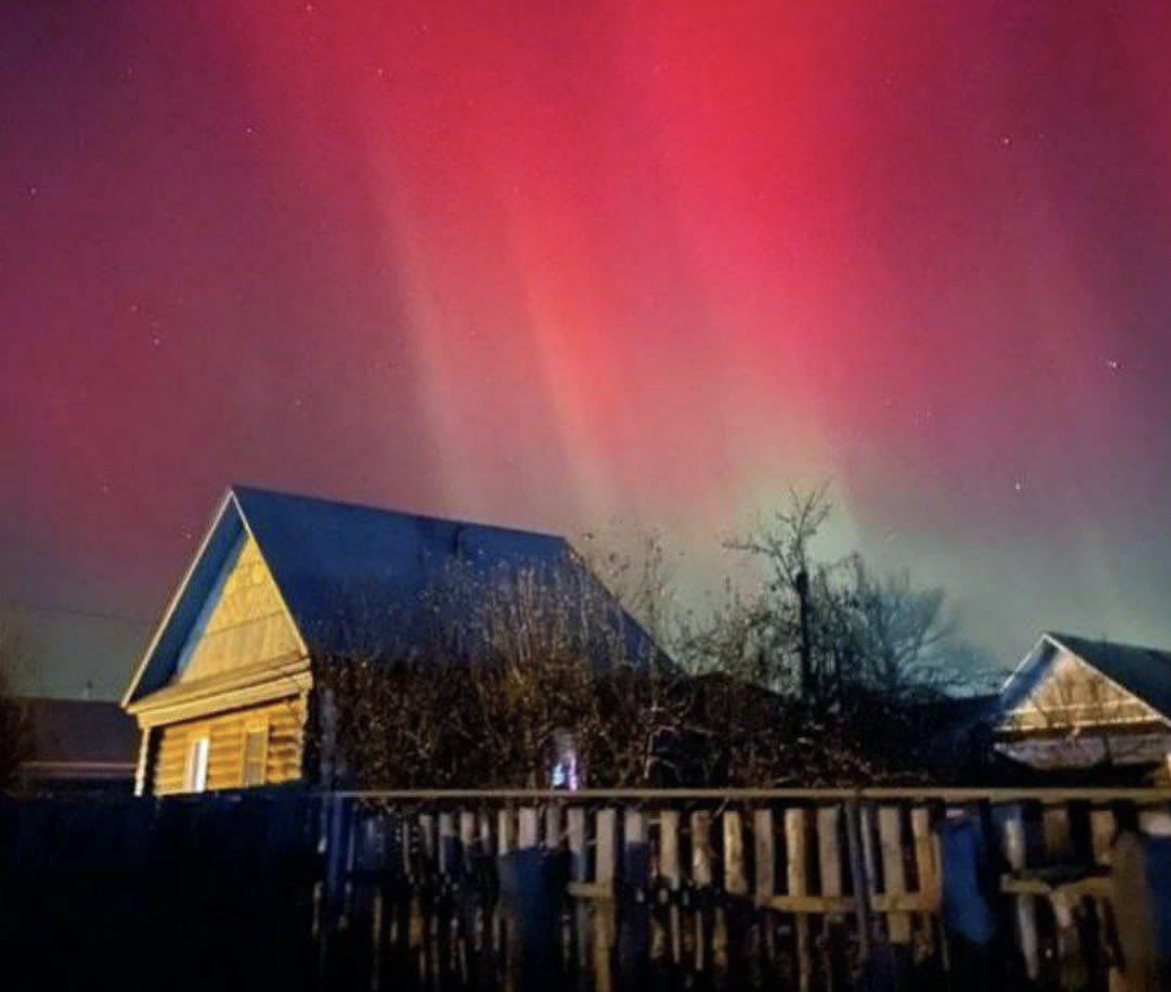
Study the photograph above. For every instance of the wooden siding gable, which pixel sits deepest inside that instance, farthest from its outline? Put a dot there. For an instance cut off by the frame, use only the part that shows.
(1054, 689)
(1070, 693)
(228, 613)
(244, 620)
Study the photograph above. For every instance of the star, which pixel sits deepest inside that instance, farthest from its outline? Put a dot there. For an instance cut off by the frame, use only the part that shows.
(1018, 486)
(1113, 364)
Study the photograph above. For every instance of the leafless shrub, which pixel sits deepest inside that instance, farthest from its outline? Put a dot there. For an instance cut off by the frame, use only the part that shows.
(512, 659)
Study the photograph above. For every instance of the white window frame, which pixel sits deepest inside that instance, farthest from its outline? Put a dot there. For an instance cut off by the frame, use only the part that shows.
(198, 754)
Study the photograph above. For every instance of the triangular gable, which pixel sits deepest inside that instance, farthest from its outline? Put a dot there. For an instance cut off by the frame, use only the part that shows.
(244, 619)
(1057, 689)
(194, 604)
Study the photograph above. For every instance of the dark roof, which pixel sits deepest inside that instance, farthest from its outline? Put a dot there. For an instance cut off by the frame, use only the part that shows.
(353, 577)
(79, 731)
(958, 713)
(1146, 672)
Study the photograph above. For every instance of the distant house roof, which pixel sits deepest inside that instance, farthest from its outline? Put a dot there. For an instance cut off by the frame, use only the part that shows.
(78, 739)
(1143, 672)
(349, 575)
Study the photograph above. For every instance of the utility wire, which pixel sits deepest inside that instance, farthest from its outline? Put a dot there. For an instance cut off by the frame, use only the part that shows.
(68, 611)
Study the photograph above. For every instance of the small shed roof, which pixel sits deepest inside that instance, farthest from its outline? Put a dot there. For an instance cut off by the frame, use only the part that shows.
(72, 733)
(352, 577)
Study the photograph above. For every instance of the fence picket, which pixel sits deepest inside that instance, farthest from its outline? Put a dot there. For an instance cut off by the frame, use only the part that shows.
(797, 884)
(669, 870)
(701, 877)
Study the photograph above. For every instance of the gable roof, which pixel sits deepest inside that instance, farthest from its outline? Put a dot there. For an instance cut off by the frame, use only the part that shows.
(352, 577)
(1143, 672)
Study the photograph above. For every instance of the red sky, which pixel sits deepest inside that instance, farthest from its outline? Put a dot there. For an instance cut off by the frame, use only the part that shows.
(546, 264)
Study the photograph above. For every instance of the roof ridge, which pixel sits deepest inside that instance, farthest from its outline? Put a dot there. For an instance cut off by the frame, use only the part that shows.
(236, 489)
(1105, 642)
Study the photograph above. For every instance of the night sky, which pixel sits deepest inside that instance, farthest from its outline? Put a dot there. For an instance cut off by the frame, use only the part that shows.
(551, 263)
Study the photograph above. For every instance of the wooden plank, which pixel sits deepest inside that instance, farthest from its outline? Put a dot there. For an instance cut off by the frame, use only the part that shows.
(1155, 821)
(527, 824)
(815, 905)
(468, 840)
(894, 875)
(671, 872)
(829, 851)
(446, 849)
(735, 879)
(605, 921)
(735, 884)
(930, 882)
(1134, 908)
(797, 885)
(702, 878)
(765, 854)
(1102, 829)
(633, 956)
(468, 935)
(505, 844)
(829, 861)
(505, 830)
(1058, 833)
(1015, 853)
(1102, 832)
(579, 872)
(863, 882)
(554, 833)
(429, 851)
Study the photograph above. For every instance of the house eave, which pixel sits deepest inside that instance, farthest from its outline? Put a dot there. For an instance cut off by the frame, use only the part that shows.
(253, 684)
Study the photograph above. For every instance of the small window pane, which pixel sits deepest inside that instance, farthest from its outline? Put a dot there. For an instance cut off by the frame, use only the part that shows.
(255, 756)
(197, 756)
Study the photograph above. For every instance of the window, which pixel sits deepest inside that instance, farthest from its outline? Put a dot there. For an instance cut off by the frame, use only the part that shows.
(195, 779)
(255, 755)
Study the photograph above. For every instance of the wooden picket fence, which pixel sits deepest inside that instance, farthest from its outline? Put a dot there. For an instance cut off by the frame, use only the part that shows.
(804, 889)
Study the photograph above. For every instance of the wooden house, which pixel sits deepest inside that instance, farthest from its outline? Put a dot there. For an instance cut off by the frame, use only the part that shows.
(1077, 704)
(280, 585)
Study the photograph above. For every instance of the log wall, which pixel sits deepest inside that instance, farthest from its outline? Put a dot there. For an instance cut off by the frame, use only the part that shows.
(283, 722)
